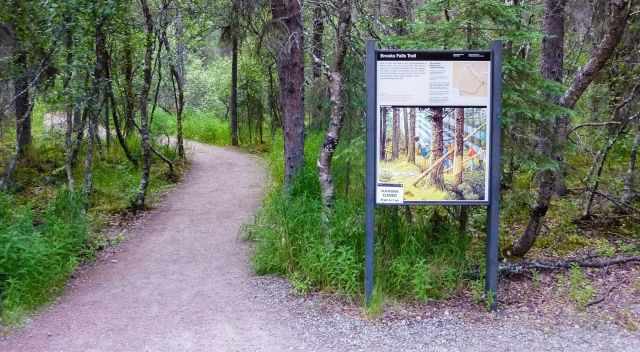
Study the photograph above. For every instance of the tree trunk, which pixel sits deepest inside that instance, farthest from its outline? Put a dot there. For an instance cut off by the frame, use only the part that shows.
(234, 90)
(458, 158)
(405, 126)
(179, 75)
(68, 135)
(411, 150)
(437, 147)
(95, 108)
(87, 185)
(110, 99)
(336, 89)
(290, 61)
(128, 77)
(178, 92)
(144, 114)
(22, 105)
(395, 134)
(181, 50)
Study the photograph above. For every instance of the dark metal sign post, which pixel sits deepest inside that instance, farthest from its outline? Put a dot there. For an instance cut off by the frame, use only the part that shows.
(404, 95)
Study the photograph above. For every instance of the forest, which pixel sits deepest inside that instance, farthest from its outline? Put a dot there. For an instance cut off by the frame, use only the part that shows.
(99, 101)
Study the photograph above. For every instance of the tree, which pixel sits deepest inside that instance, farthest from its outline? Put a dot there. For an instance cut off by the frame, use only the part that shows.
(139, 201)
(230, 36)
(290, 59)
(336, 89)
(176, 67)
(437, 147)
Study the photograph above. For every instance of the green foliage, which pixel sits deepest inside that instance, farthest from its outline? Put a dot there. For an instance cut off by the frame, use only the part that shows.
(36, 258)
(208, 86)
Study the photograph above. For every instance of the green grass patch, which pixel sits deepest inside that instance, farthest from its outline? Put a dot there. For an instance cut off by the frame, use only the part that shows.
(198, 126)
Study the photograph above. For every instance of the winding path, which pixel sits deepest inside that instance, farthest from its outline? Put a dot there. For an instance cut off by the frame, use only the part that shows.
(182, 282)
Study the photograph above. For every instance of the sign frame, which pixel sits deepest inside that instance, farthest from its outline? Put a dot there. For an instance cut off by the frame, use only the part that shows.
(493, 165)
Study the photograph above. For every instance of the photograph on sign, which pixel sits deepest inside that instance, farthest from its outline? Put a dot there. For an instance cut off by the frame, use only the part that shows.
(432, 154)
(432, 129)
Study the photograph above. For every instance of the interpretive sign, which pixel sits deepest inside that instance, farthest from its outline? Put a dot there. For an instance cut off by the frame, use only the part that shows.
(433, 126)
(433, 137)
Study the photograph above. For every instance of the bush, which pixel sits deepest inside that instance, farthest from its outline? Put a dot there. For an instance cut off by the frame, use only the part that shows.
(37, 257)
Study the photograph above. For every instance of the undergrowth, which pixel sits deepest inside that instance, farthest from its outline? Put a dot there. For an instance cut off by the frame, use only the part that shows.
(420, 254)
(45, 231)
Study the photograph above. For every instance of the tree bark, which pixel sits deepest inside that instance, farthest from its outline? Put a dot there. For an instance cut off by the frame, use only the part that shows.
(458, 158)
(437, 147)
(144, 101)
(290, 59)
(336, 89)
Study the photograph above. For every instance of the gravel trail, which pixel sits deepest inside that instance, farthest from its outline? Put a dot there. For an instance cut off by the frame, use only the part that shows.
(182, 282)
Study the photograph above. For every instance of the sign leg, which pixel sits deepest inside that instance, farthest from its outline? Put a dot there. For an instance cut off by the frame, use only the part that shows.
(493, 222)
(370, 172)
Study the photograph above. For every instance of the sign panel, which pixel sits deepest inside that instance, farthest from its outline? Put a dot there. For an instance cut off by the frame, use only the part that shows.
(432, 127)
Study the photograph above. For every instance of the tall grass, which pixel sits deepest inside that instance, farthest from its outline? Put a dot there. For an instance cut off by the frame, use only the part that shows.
(419, 252)
(37, 257)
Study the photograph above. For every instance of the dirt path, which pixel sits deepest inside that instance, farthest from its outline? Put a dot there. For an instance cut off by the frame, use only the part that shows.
(182, 282)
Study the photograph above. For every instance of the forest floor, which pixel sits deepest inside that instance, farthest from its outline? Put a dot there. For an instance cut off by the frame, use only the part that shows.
(182, 281)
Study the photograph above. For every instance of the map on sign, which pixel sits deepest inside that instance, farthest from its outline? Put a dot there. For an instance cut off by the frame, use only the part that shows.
(432, 127)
